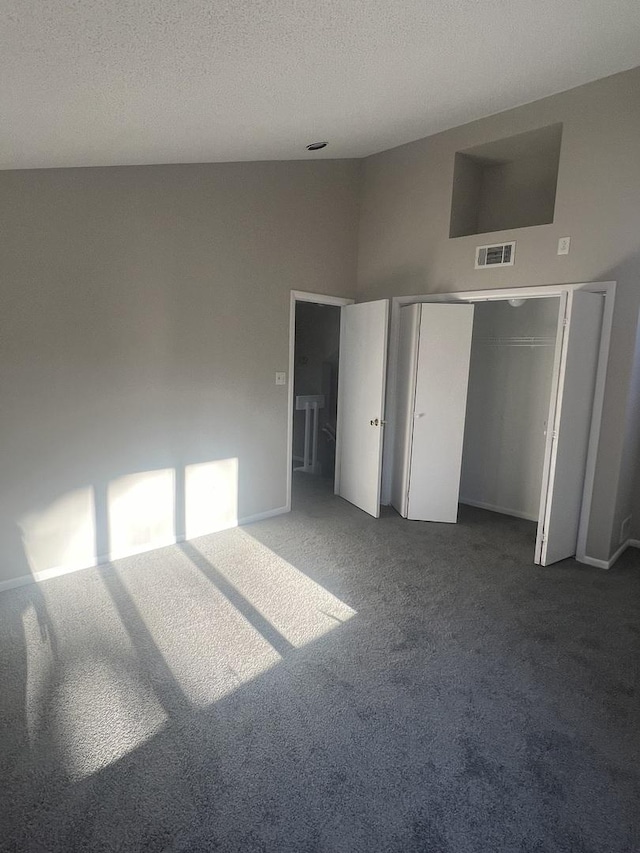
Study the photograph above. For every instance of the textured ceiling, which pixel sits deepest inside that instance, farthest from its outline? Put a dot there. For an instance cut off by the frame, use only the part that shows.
(97, 82)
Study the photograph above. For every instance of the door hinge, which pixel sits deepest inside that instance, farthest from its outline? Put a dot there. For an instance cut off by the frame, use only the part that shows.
(565, 322)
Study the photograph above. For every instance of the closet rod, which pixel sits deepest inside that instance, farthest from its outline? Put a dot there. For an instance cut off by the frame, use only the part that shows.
(517, 342)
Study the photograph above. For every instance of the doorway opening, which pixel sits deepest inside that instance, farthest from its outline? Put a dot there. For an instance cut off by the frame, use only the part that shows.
(315, 393)
(314, 356)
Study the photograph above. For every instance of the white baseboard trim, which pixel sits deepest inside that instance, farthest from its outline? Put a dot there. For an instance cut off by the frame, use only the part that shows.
(13, 583)
(57, 571)
(501, 509)
(261, 516)
(44, 575)
(607, 564)
(617, 554)
(593, 561)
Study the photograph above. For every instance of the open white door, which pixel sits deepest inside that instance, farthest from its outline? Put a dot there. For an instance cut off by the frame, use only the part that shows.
(361, 387)
(439, 411)
(405, 395)
(578, 348)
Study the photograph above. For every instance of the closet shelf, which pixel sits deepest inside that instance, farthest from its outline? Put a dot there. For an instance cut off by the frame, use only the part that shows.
(517, 342)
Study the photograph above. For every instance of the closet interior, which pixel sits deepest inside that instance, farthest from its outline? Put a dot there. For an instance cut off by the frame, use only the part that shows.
(474, 387)
(510, 378)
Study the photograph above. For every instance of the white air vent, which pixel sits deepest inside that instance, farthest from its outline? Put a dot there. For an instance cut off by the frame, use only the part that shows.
(498, 255)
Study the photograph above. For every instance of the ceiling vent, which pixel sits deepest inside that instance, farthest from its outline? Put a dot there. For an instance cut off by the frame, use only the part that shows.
(497, 255)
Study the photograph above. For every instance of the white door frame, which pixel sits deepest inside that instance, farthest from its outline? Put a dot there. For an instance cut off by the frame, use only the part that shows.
(607, 288)
(318, 299)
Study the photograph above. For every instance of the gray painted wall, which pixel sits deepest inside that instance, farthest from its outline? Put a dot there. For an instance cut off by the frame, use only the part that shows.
(404, 247)
(465, 197)
(144, 313)
(502, 186)
(145, 310)
(506, 183)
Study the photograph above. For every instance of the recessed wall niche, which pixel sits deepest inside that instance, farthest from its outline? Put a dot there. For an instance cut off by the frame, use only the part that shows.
(505, 184)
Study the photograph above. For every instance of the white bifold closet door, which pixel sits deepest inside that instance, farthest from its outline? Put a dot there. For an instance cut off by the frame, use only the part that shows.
(361, 388)
(432, 380)
(570, 413)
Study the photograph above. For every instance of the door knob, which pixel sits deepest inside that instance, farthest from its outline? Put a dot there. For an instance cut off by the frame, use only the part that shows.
(377, 422)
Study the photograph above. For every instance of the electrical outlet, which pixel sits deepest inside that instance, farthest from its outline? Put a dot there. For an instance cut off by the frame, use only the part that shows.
(281, 378)
(624, 529)
(563, 245)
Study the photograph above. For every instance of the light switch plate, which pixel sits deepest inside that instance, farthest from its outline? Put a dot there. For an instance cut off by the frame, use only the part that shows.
(281, 378)
(563, 245)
